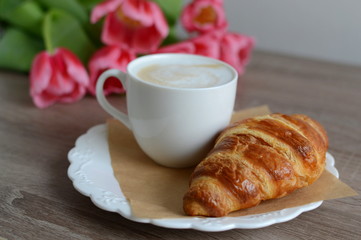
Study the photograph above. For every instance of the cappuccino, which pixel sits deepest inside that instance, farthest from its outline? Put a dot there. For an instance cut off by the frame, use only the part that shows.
(179, 75)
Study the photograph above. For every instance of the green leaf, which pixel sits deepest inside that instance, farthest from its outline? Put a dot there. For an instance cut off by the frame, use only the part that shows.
(61, 29)
(171, 9)
(18, 49)
(89, 4)
(26, 15)
(7, 6)
(72, 7)
(80, 11)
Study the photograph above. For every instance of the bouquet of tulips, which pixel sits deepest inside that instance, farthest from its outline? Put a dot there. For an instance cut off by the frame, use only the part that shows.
(65, 45)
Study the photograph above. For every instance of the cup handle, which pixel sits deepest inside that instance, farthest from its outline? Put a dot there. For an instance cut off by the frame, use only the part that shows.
(121, 76)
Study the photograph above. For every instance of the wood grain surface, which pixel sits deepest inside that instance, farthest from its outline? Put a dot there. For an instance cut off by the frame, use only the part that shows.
(38, 201)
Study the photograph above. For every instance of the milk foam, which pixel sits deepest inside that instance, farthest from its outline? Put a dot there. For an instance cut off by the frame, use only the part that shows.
(186, 76)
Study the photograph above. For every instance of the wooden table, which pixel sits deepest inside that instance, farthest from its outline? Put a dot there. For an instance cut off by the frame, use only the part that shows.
(38, 201)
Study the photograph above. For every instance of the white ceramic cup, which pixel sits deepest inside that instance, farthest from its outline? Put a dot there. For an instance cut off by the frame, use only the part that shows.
(173, 126)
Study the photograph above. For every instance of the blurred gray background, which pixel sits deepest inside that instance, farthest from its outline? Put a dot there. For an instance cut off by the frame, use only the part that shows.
(320, 29)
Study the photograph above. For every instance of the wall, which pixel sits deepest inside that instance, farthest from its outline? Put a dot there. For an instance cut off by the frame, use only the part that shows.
(321, 29)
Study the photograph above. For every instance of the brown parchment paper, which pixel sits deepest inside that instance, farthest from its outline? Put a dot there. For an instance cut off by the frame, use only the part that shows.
(154, 191)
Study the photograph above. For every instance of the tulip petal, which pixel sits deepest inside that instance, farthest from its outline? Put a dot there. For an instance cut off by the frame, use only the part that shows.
(194, 18)
(107, 58)
(104, 57)
(236, 50)
(153, 39)
(102, 60)
(115, 32)
(59, 77)
(121, 35)
(44, 100)
(141, 26)
(60, 83)
(40, 73)
(103, 9)
(181, 47)
(208, 44)
(139, 10)
(77, 93)
(74, 67)
(159, 20)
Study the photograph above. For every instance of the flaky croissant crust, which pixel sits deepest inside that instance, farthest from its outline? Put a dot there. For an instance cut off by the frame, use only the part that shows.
(254, 160)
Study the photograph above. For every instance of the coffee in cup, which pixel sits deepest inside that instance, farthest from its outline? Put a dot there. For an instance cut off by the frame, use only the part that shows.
(186, 75)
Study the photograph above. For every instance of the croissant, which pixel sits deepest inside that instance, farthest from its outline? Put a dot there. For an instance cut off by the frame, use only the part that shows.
(257, 159)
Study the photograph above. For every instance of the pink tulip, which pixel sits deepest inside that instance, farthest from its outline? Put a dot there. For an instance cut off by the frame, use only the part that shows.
(136, 24)
(106, 58)
(204, 16)
(232, 48)
(205, 45)
(57, 77)
(180, 47)
(236, 50)
(208, 44)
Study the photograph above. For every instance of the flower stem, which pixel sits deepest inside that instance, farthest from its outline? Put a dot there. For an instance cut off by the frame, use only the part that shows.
(46, 33)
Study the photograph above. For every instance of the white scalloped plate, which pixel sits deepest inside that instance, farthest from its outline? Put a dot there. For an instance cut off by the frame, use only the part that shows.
(92, 175)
